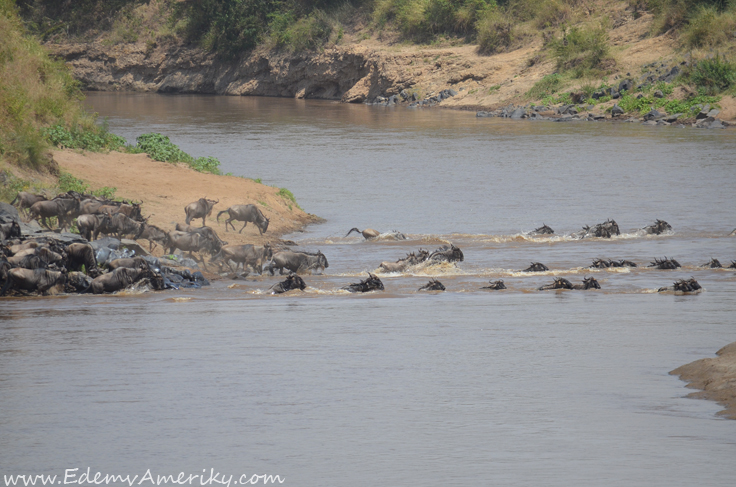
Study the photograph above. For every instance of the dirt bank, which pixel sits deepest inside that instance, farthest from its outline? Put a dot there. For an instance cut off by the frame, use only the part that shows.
(360, 69)
(165, 189)
(715, 376)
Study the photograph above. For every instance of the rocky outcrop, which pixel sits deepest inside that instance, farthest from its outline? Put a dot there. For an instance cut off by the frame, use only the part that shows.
(351, 74)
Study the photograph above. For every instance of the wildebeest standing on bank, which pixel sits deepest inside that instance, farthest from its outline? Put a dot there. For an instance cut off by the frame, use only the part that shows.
(24, 200)
(39, 280)
(245, 214)
(81, 254)
(90, 226)
(248, 254)
(65, 207)
(201, 208)
(154, 235)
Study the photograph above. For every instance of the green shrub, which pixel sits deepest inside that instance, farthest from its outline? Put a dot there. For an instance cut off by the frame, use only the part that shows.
(709, 27)
(495, 32)
(714, 75)
(10, 185)
(67, 182)
(545, 87)
(93, 138)
(288, 195)
(160, 148)
(581, 49)
(310, 32)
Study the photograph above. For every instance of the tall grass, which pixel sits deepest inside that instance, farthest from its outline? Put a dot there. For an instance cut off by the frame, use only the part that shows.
(713, 76)
(582, 50)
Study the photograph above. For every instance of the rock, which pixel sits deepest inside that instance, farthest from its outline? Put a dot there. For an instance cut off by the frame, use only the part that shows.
(598, 94)
(668, 78)
(716, 124)
(672, 118)
(703, 112)
(483, 114)
(714, 113)
(452, 92)
(615, 94)
(649, 122)
(639, 96)
(106, 242)
(662, 122)
(518, 113)
(652, 115)
(625, 85)
(631, 120)
(404, 95)
(616, 111)
(8, 213)
(133, 245)
(658, 94)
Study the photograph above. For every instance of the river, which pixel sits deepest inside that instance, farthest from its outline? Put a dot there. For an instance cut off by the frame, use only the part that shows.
(466, 387)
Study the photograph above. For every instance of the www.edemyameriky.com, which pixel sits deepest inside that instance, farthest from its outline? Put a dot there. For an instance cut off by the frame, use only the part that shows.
(74, 476)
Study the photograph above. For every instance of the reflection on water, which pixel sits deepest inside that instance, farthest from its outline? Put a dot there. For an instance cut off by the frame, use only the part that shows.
(465, 387)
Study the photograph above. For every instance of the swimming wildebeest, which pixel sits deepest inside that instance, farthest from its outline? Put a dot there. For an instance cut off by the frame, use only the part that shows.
(245, 214)
(543, 230)
(118, 279)
(495, 285)
(292, 282)
(368, 233)
(9, 230)
(665, 263)
(433, 285)
(562, 283)
(447, 254)
(713, 264)
(299, 262)
(602, 230)
(245, 255)
(536, 267)
(683, 285)
(65, 207)
(658, 227)
(603, 264)
(38, 280)
(201, 208)
(401, 264)
(24, 200)
(372, 283)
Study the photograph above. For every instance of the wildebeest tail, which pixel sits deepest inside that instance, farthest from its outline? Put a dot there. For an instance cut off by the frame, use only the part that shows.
(218, 215)
(15, 199)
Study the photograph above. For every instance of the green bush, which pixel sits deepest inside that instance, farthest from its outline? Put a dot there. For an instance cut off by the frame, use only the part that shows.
(67, 182)
(495, 32)
(545, 87)
(423, 19)
(714, 75)
(581, 49)
(709, 27)
(94, 138)
(288, 195)
(160, 148)
(310, 32)
(10, 185)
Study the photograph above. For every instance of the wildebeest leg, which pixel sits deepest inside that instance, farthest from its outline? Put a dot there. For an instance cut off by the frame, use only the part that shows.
(241, 230)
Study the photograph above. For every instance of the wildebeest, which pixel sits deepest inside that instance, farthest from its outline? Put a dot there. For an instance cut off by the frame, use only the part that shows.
(118, 279)
(664, 263)
(245, 255)
(602, 230)
(292, 282)
(90, 226)
(201, 208)
(77, 282)
(433, 285)
(122, 225)
(245, 214)
(401, 264)
(536, 267)
(299, 262)
(207, 232)
(130, 262)
(446, 254)
(713, 264)
(188, 242)
(24, 200)
(38, 280)
(372, 283)
(81, 254)
(562, 283)
(543, 230)
(495, 285)
(368, 233)
(64, 207)
(603, 264)
(154, 235)
(36, 258)
(733, 265)
(683, 285)
(131, 210)
(732, 233)
(658, 227)
(9, 230)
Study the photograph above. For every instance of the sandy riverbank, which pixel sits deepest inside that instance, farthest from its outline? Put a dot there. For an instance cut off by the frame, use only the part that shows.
(716, 377)
(165, 189)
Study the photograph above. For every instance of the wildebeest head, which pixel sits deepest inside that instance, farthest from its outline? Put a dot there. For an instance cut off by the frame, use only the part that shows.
(687, 285)
(433, 285)
(495, 285)
(559, 283)
(713, 264)
(590, 283)
(544, 230)
(322, 260)
(536, 267)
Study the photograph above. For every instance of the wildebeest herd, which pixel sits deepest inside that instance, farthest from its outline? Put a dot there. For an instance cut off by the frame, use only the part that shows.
(46, 264)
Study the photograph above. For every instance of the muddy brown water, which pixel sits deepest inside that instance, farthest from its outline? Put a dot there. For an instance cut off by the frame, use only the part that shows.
(465, 387)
